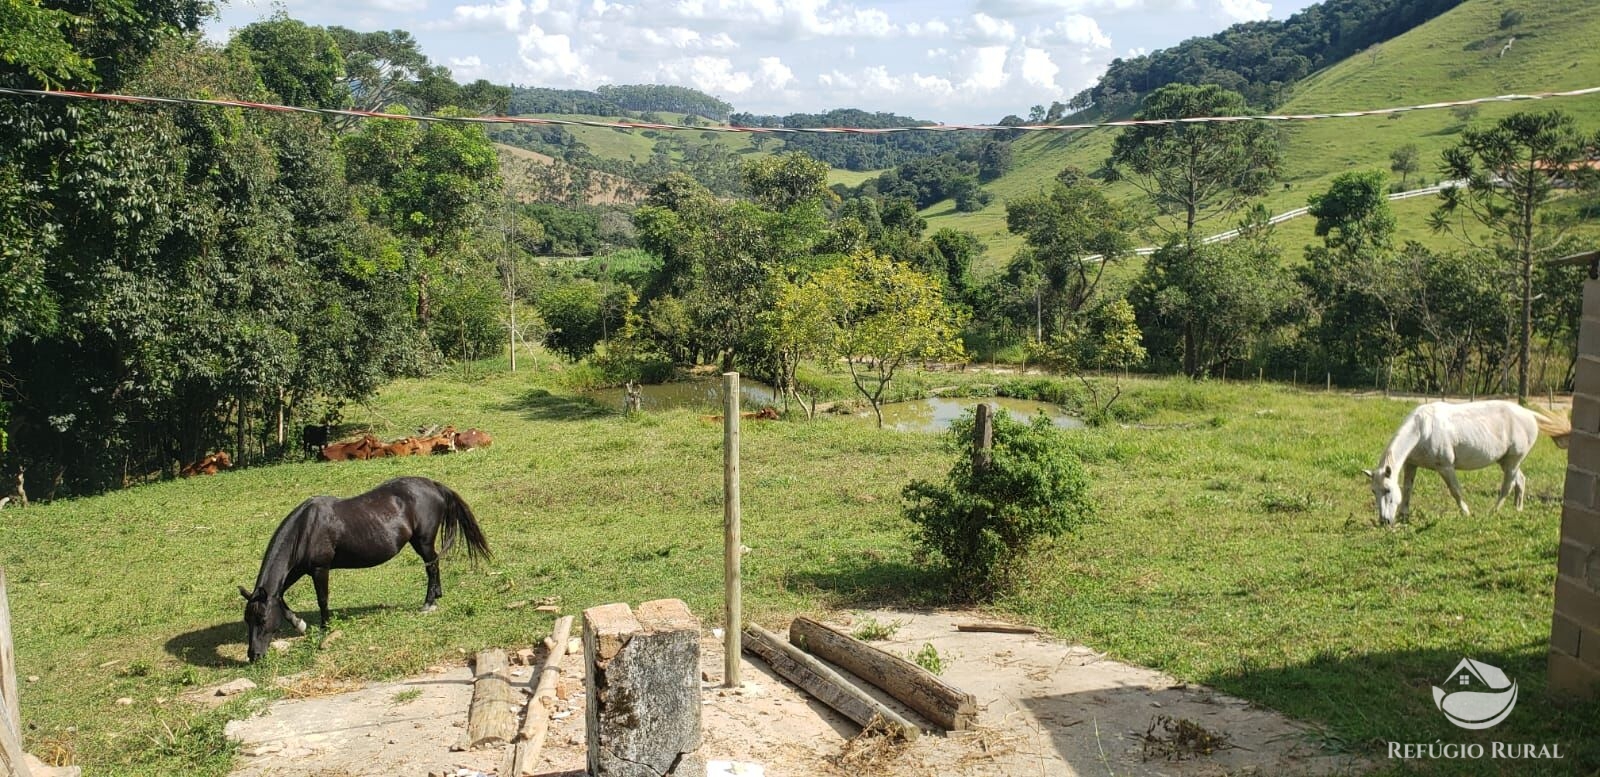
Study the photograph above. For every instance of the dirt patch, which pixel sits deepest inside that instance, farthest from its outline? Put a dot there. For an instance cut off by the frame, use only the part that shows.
(1046, 707)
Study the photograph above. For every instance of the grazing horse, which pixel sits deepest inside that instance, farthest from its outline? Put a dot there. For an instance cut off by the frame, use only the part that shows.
(362, 531)
(1445, 437)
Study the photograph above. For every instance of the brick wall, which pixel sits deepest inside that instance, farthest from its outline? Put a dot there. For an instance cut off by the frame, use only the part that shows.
(1575, 632)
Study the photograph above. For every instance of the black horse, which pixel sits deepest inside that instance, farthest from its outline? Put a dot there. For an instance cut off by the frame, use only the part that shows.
(326, 533)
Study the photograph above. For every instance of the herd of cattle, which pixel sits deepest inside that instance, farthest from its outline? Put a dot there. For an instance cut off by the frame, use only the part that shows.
(446, 440)
(424, 442)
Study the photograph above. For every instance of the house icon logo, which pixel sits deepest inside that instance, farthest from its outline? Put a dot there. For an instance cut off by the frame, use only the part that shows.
(1476, 695)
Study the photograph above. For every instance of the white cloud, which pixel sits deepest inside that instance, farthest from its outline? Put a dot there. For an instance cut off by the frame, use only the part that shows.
(506, 15)
(773, 74)
(713, 75)
(1037, 68)
(988, 68)
(1244, 10)
(1077, 30)
(551, 57)
(987, 29)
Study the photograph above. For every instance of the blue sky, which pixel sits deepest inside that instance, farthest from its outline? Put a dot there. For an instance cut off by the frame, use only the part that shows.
(955, 61)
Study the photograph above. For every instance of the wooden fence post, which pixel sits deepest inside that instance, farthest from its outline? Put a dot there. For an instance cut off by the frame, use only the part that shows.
(12, 761)
(732, 606)
(982, 438)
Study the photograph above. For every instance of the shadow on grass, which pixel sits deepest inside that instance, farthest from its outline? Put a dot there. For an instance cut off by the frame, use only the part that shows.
(200, 647)
(541, 405)
(863, 582)
(1363, 701)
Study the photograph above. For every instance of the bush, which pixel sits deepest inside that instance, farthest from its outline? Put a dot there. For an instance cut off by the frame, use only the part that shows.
(982, 523)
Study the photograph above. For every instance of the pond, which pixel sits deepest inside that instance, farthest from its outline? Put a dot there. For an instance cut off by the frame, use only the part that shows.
(699, 394)
(934, 414)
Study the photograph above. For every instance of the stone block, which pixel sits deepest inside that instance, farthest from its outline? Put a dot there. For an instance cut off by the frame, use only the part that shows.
(643, 683)
(1570, 676)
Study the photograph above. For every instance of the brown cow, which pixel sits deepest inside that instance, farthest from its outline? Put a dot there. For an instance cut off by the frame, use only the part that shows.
(363, 448)
(472, 438)
(210, 464)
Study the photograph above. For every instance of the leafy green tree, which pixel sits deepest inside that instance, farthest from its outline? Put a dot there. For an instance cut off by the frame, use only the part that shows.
(878, 315)
(982, 521)
(572, 311)
(1512, 171)
(300, 64)
(35, 50)
(1403, 161)
(1353, 215)
(1199, 170)
(787, 180)
(1106, 337)
(1071, 233)
(428, 184)
(1207, 304)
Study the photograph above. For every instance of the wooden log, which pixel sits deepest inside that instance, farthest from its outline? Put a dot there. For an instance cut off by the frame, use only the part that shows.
(491, 719)
(824, 684)
(1002, 628)
(536, 716)
(915, 687)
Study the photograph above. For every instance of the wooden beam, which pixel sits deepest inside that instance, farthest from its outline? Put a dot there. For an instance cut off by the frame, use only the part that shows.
(490, 720)
(824, 684)
(536, 716)
(915, 687)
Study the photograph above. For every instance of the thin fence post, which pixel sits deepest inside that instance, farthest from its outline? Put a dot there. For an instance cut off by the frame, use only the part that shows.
(982, 438)
(1329, 386)
(734, 624)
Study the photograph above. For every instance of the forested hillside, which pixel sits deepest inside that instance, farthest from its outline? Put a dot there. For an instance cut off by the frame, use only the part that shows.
(177, 279)
(1261, 60)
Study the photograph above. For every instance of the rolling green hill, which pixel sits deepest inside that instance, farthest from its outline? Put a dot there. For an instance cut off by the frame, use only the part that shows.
(1456, 56)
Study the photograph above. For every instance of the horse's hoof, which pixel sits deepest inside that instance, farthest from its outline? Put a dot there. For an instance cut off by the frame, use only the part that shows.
(429, 607)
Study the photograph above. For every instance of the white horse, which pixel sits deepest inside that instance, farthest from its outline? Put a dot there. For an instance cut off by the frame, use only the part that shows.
(1445, 437)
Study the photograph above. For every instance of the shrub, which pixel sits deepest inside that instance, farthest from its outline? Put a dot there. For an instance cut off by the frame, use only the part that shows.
(981, 523)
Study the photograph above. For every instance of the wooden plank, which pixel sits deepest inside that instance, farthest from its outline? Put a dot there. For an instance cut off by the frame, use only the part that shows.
(536, 716)
(491, 720)
(1002, 628)
(824, 684)
(915, 687)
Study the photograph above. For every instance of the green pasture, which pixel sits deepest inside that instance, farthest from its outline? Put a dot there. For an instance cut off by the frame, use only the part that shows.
(1235, 546)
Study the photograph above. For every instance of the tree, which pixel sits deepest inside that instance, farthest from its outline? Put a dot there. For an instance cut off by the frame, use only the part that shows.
(1206, 304)
(1403, 161)
(1354, 214)
(1071, 234)
(1198, 170)
(876, 315)
(1104, 338)
(1512, 171)
(1352, 280)
(429, 184)
(298, 63)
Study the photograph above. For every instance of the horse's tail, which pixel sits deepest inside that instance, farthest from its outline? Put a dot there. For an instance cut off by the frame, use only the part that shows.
(458, 517)
(1558, 427)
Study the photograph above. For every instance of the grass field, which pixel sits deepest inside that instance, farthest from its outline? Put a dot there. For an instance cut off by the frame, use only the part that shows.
(1235, 546)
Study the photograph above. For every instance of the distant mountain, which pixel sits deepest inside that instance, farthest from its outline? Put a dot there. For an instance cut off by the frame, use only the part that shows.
(613, 99)
(1459, 55)
(1261, 60)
